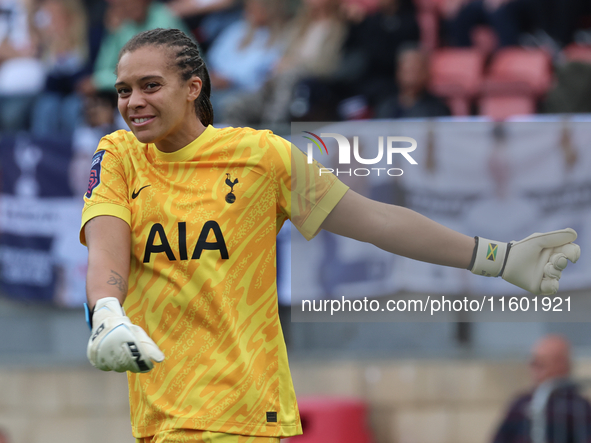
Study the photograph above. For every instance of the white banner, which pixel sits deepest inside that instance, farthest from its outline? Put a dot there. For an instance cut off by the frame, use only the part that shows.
(500, 181)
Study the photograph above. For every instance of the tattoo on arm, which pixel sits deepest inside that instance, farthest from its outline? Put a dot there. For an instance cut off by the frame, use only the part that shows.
(116, 280)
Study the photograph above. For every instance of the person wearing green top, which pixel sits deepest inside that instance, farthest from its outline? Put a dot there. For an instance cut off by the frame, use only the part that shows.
(140, 15)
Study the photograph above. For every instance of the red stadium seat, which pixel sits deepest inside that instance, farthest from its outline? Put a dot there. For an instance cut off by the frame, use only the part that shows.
(517, 71)
(459, 106)
(456, 74)
(333, 420)
(577, 53)
(484, 39)
(500, 107)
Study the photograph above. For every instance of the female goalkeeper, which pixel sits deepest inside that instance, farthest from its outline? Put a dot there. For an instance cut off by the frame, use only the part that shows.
(180, 220)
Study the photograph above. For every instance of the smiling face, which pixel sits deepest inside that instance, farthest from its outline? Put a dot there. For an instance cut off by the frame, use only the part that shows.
(157, 105)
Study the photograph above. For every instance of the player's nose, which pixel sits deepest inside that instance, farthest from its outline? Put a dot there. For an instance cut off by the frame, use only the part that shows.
(136, 100)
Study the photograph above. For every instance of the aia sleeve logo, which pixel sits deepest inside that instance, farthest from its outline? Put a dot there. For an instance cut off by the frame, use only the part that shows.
(95, 173)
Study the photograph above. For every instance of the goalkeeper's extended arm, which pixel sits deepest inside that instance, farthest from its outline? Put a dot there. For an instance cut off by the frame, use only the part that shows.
(115, 343)
(534, 264)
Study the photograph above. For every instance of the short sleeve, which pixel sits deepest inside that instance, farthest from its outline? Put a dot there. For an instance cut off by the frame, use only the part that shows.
(107, 192)
(307, 191)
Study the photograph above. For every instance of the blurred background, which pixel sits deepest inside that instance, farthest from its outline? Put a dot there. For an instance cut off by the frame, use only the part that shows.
(494, 65)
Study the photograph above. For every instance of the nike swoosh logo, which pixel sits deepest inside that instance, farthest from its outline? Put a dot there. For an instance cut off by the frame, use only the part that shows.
(135, 194)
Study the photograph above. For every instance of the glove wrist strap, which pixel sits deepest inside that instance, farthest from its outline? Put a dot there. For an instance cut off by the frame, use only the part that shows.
(88, 314)
(471, 265)
(489, 257)
(104, 307)
(506, 257)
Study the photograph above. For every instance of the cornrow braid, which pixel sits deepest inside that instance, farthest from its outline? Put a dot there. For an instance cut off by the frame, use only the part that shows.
(188, 61)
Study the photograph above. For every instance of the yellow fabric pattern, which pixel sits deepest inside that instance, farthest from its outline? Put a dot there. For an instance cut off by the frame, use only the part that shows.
(202, 281)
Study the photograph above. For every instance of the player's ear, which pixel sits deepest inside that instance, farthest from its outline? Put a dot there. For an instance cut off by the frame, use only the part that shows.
(195, 85)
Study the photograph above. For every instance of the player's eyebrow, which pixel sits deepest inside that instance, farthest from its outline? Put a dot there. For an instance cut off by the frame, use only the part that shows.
(142, 79)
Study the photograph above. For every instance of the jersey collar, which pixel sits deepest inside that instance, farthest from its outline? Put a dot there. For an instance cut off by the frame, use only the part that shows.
(188, 151)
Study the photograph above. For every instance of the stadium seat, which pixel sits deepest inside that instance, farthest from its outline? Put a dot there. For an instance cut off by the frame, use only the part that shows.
(498, 108)
(577, 53)
(517, 71)
(484, 39)
(333, 420)
(456, 74)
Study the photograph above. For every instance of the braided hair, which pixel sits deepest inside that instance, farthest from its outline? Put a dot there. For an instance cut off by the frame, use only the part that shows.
(187, 60)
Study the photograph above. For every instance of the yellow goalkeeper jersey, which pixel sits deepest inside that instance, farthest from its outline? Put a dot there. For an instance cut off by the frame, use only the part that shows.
(202, 280)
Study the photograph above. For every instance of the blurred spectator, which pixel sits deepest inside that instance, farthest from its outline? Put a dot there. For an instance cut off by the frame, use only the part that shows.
(572, 90)
(124, 19)
(21, 72)
(253, 44)
(63, 37)
(207, 18)
(547, 23)
(371, 47)
(100, 111)
(567, 413)
(364, 74)
(314, 46)
(95, 15)
(412, 100)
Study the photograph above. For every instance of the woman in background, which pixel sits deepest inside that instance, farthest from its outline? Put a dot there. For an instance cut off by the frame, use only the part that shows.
(244, 54)
(63, 32)
(313, 49)
(22, 75)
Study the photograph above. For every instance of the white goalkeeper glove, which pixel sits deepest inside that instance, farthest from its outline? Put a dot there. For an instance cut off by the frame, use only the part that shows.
(534, 263)
(118, 345)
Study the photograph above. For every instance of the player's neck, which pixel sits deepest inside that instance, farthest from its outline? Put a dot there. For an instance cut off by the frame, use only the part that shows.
(181, 138)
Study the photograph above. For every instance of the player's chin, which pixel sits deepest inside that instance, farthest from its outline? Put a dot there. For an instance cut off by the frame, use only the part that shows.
(143, 135)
